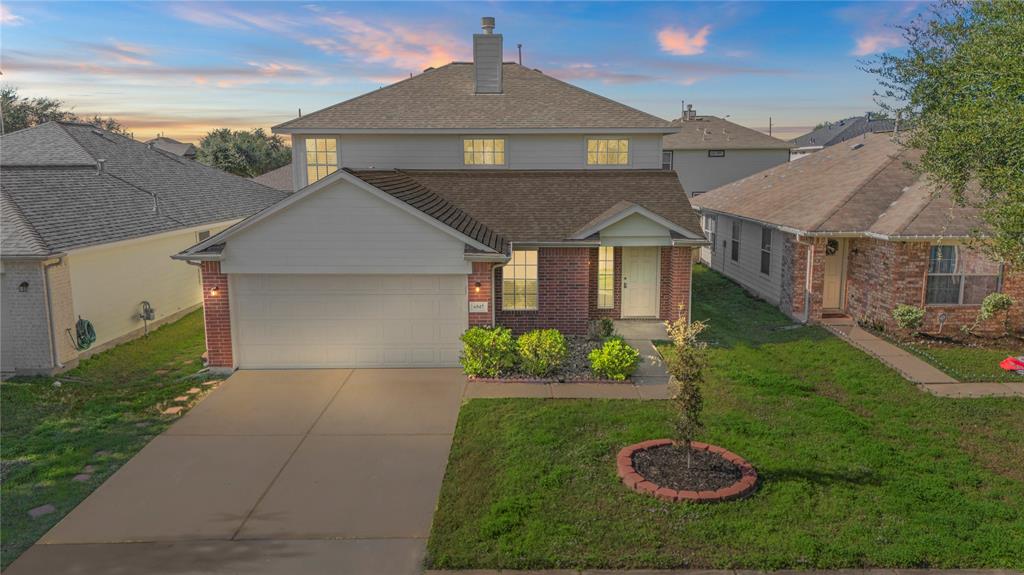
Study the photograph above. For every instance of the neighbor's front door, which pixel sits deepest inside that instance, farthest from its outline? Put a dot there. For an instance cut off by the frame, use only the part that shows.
(835, 272)
(639, 282)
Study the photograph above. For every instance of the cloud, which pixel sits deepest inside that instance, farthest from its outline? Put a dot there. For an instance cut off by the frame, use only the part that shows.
(587, 71)
(877, 42)
(681, 43)
(9, 18)
(122, 52)
(652, 71)
(215, 15)
(398, 46)
(873, 25)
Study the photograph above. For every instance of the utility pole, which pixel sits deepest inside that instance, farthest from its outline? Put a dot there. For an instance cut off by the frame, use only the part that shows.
(769, 125)
(520, 47)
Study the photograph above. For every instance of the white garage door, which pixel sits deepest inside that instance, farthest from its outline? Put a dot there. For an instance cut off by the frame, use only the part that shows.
(288, 321)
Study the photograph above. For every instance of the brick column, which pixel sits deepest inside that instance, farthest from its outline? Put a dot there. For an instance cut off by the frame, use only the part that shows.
(217, 316)
(817, 255)
(481, 293)
(676, 274)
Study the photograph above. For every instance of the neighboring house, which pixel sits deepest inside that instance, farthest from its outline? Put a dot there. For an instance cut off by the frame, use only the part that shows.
(473, 194)
(853, 230)
(279, 179)
(708, 152)
(89, 218)
(174, 146)
(832, 133)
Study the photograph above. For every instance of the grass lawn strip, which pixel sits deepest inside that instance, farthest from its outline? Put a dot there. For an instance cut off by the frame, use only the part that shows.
(968, 364)
(102, 414)
(859, 468)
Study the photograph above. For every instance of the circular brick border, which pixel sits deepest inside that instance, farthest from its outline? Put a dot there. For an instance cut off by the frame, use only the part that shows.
(633, 480)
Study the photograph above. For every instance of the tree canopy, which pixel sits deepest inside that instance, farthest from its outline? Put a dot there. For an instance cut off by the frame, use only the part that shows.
(960, 85)
(246, 153)
(21, 112)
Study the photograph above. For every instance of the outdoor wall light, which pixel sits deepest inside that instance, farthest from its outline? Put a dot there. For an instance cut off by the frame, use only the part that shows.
(476, 287)
(214, 291)
(23, 287)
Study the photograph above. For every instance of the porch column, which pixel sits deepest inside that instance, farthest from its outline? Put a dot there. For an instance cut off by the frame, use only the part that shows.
(217, 317)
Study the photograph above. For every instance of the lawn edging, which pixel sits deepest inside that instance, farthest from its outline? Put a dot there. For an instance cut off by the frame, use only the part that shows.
(633, 480)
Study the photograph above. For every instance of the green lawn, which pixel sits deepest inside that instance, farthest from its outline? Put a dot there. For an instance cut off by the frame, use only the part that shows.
(859, 468)
(107, 404)
(969, 363)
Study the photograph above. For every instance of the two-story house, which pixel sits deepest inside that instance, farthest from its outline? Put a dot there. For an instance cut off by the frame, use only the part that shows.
(476, 193)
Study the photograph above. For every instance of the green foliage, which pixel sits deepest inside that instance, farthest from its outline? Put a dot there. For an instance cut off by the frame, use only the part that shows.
(993, 304)
(541, 351)
(487, 351)
(908, 317)
(686, 364)
(615, 359)
(243, 153)
(21, 112)
(959, 84)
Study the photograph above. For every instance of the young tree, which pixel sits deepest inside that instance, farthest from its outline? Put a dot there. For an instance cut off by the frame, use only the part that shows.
(959, 85)
(686, 366)
(243, 153)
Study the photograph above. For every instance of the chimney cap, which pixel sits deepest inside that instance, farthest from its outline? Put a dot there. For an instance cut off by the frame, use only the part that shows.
(487, 23)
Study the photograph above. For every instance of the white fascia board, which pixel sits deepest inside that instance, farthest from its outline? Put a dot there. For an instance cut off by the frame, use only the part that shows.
(625, 213)
(321, 131)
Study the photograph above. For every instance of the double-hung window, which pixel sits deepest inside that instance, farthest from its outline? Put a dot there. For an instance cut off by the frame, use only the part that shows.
(960, 276)
(607, 152)
(766, 250)
(605, 277)
(666, 160)
(711, 230)
(736, 227)
(321, 158)
(519, 281)
(483, 151)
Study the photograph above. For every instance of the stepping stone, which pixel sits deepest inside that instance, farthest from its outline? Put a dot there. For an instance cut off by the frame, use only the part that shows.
(41, 510)
(103, 453)
(181, 398)
(161, 371)
(82, 477)
(212, 382)
(194, 390)
(188, 362)
(89, 469)
(172, 411)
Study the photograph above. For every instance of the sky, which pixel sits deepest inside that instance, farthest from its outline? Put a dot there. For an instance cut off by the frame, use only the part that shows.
(183, 68)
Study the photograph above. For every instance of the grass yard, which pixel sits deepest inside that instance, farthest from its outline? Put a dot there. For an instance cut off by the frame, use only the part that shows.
(859, 468)
(969, 363)
(102, 414)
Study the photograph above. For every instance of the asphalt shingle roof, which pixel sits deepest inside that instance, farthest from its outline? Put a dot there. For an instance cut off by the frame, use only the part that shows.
(835, 132)
(444, 98)
(861, 186)
(279, 179)
(711, 132)
(69, 203)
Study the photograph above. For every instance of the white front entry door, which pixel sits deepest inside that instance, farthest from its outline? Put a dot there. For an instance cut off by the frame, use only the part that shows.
(835, 273)
(640, 281)
(321, 320)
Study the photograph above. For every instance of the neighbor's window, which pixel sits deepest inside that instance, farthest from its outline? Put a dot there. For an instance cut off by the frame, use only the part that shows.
(711, 230)
(321, 158)
(766, 250)
(607, 152)
(735, 241)
(666, 160)
(483, 151)
(957, 275)
(716, 153)
(519, 281)
(605, 277)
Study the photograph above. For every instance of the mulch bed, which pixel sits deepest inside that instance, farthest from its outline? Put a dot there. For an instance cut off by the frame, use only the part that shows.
(666, 466)
(575, 369)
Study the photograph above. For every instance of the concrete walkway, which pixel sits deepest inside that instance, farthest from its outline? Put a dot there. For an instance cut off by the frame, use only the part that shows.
(914, 369)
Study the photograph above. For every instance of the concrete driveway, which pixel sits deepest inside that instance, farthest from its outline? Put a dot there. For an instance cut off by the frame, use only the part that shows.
(297, 472)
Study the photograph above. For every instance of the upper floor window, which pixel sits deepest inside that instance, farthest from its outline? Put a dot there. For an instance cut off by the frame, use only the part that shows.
(766, 250)
(607, 152)
(321, 158)
(519, 281)
(666, 160)
(735, 240)
(483, 151)
(960, 276)
(716, 153)
(605, 277)
(711, 230)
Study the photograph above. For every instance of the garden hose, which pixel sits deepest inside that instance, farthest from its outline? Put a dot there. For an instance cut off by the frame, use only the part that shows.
(85, 334)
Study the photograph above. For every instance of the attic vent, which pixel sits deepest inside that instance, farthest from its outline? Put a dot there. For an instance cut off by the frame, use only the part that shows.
(487, 58)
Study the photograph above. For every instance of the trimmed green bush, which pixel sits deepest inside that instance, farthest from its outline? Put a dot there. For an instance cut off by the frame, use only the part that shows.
(487, 351)
(541, 351)
(908, 317)
(615, 359)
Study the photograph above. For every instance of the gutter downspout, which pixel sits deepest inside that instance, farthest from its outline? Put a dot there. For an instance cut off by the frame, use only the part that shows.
(54, 356)
(808, 281)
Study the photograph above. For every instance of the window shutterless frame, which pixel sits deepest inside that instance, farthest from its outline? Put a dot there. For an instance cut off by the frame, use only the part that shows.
(736, 229)
(766, 250)
(666, 159)
(321, 158)
(484, 152)
(960, 277)
(519, 282)
(711, 230)
(605, 277)
(607, 151)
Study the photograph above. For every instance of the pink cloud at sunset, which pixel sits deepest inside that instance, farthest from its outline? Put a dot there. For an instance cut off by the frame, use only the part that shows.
(877, 42)
(676, 40)
(391, 44)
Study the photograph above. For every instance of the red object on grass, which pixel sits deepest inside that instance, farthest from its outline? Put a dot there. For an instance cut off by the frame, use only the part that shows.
(1012, 364)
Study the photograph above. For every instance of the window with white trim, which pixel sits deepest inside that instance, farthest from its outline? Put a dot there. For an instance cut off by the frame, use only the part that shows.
(321, 158)
(736, 227)
(607, 152)
(483, 151)
(766, 250)
(711, 230)
(666, 160)
(519, 281)
(605, 277)
(960, 276)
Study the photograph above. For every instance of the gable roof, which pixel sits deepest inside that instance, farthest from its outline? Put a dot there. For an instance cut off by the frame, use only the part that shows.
(52, 188)
(835, 132)
(173, 146)
(279, 179)
(857, 188)
(711, 132)
(444, 99)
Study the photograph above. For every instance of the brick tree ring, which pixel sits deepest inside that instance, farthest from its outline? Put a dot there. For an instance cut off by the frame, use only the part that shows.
(633, 480)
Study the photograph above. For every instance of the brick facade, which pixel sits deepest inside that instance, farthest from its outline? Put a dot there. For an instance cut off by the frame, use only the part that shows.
(563, 300)
(217, 316)
(676, 271)
(480, 291)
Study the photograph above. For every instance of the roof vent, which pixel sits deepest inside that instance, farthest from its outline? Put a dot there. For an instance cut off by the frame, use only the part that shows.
(857, 146)
(99, 166)
(487, 58)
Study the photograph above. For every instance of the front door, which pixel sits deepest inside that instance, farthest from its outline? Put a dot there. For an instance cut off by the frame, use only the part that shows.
(835, 274)
(639, 282)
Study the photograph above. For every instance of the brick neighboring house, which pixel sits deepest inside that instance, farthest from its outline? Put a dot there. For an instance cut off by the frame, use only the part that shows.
(853, 230)
(476, 193)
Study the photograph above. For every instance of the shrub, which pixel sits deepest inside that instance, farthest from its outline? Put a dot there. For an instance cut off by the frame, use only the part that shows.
(541, 351)
(993, 304)
(486, 352)
(908, 317)
(614, 360)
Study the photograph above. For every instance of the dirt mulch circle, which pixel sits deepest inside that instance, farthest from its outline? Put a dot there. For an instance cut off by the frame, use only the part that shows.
(666, 466)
